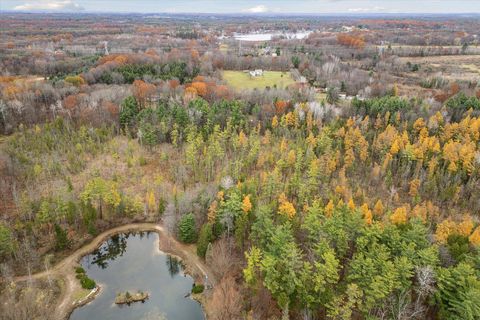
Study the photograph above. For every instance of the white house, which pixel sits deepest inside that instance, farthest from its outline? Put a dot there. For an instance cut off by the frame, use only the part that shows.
(256, 73)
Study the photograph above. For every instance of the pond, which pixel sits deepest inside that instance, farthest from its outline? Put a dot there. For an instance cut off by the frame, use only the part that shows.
(132, 262)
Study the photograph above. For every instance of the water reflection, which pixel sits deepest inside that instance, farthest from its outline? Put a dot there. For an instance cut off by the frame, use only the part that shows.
(173, 265)
(110, 250)
(125, 263)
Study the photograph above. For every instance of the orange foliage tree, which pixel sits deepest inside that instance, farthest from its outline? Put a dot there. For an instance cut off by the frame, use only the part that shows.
(70, 102)
(201, 88)
(280, 106)
(350, 41)
(173, 84)
(142, 91)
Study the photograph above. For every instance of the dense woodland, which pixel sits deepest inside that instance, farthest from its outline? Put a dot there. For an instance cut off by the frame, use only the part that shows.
(361, 208)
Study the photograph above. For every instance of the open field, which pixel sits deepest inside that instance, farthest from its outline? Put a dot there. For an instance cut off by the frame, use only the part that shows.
(447, 64)
(240, 80)
(454, 68)
(443, 59)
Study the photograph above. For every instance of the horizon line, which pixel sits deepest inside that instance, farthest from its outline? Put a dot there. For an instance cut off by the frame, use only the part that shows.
(11, 11)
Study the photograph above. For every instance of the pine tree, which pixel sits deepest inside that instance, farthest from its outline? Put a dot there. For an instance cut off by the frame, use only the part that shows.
(61, 238)
(204, 238)
(186, 229)
(458, 294)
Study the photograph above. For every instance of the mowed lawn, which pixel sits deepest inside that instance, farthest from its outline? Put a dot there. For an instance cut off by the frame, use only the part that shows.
(240, 80)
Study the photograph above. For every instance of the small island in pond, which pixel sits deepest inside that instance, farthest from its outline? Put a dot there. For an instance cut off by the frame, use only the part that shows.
(127, 297)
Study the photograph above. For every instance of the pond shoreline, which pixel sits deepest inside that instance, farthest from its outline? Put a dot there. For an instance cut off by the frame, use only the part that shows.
(89, 298)
(194, 266)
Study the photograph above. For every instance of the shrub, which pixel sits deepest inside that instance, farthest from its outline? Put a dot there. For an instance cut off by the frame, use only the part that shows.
(79, 270)
(142, 161)
(186, 229)
(75, 80)
(198, 288)
(87, 283)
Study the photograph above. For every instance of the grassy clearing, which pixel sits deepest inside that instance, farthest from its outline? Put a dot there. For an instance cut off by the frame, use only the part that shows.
(240, 80)
(80, 294)
(471, 67)
(442, 60)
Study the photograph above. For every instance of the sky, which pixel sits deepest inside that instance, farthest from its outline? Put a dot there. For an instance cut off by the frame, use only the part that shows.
(245, 6)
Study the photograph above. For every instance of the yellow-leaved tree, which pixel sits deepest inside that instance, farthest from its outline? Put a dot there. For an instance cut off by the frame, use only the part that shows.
(286, 208)
(274, 122)
(367, 213)
(444, 230)
(414, 185)
(351, 204)
(399, 216)
(475, 237)
(329, 208)
(103, 193)
(465, 227)
(151, 201)
(246, 204)
(212, 212)
(378, 208)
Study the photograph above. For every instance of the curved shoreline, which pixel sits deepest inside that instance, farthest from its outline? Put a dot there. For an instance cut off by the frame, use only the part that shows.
(89, 298)
(167, 244)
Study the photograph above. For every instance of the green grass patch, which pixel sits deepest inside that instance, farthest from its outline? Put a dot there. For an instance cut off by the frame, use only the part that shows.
(240, 80)
(80, 294)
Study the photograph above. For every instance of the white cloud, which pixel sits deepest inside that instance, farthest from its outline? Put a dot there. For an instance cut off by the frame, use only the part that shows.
(372, 9)
(257, 9)
(45, 5)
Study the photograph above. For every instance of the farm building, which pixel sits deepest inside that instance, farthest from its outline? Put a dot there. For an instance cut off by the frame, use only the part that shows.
(256, 73)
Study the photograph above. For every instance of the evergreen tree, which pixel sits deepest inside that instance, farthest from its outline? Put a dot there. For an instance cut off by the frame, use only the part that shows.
(186, 229)
(61, 238)
(204, 238)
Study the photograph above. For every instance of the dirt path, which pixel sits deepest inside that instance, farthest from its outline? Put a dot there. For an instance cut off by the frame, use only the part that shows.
(64, 270)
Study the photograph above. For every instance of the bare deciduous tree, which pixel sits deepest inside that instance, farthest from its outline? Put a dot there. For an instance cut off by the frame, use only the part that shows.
(226, 301)
(220, 258)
